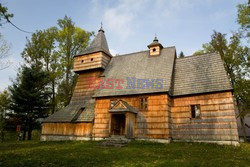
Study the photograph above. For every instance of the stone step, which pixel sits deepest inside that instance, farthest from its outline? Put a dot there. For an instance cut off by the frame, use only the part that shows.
(107, 144)
(115, 141)
(125, 140)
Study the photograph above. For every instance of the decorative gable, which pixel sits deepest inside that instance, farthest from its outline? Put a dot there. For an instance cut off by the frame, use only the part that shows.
(119, 105)
(122, 106)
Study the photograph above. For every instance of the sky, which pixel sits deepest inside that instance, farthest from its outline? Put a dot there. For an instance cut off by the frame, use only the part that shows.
(130, 25)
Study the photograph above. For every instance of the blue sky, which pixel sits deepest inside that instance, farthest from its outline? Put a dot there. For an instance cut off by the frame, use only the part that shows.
(130, 25)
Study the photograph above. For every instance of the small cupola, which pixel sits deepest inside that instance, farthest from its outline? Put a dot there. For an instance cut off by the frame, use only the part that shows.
(155, 47)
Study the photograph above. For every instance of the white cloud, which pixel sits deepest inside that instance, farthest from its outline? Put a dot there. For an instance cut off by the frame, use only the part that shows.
(118, 23)
(171, 9)
(124, 17)
(121, 18)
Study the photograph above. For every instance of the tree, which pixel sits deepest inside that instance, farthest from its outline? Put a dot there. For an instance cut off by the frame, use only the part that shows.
(4, 52)
(4, 102)
(234, 55)
(72, 40)
(206, 48)
(4, 46)
(244, 18)
(181, 55)
(4, 15)
(41, 51)
(53, 49)
(29, 97)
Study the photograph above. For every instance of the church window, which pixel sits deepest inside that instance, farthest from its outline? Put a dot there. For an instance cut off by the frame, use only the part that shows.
(144, 103)
(195, 111)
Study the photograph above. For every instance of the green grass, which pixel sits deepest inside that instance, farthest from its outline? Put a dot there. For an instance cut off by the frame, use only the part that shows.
(90, 153)
(12, 135)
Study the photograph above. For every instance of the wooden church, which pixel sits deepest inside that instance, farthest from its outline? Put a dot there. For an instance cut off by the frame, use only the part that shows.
(148, 95)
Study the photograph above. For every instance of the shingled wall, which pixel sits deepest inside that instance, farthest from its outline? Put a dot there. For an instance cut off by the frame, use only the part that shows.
(83, 125)
(217, 122)
(152, 123)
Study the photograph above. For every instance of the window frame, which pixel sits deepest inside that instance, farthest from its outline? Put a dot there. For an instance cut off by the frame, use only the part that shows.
(193, 111)
(143, 103)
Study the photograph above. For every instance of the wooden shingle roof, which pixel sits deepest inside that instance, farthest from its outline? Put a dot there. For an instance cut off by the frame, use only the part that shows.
(99, 44)
(67, 114)
(200, 74)
(140, 65)
(74, 112)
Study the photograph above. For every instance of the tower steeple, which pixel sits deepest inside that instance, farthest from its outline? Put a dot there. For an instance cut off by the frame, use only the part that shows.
(96, 55)
(99, 44)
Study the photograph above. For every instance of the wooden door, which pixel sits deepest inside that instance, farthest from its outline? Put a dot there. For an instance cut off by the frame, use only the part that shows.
(130, 123)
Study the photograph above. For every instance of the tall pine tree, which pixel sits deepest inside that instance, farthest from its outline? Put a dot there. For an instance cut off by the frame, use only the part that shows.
(29, 97)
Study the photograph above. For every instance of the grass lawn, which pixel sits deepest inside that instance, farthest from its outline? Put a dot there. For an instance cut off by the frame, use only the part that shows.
(137, 153)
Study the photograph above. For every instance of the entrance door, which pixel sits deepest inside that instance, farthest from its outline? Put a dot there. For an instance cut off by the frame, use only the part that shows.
(118, 124)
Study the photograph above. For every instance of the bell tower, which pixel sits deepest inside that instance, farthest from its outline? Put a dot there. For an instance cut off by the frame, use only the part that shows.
(155, 47)
(89, 65)
(96, 55)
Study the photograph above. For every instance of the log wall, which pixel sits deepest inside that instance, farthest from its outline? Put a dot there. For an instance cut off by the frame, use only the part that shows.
(67, 129)
(217, 122)
(152, 123)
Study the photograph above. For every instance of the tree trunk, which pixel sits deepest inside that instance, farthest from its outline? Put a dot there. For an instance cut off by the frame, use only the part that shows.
(68, 68)
(2, 135)
(53, 98)
(24, 134)
(1, 127)
(30, 129)
(67, 87)
(29, 134)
